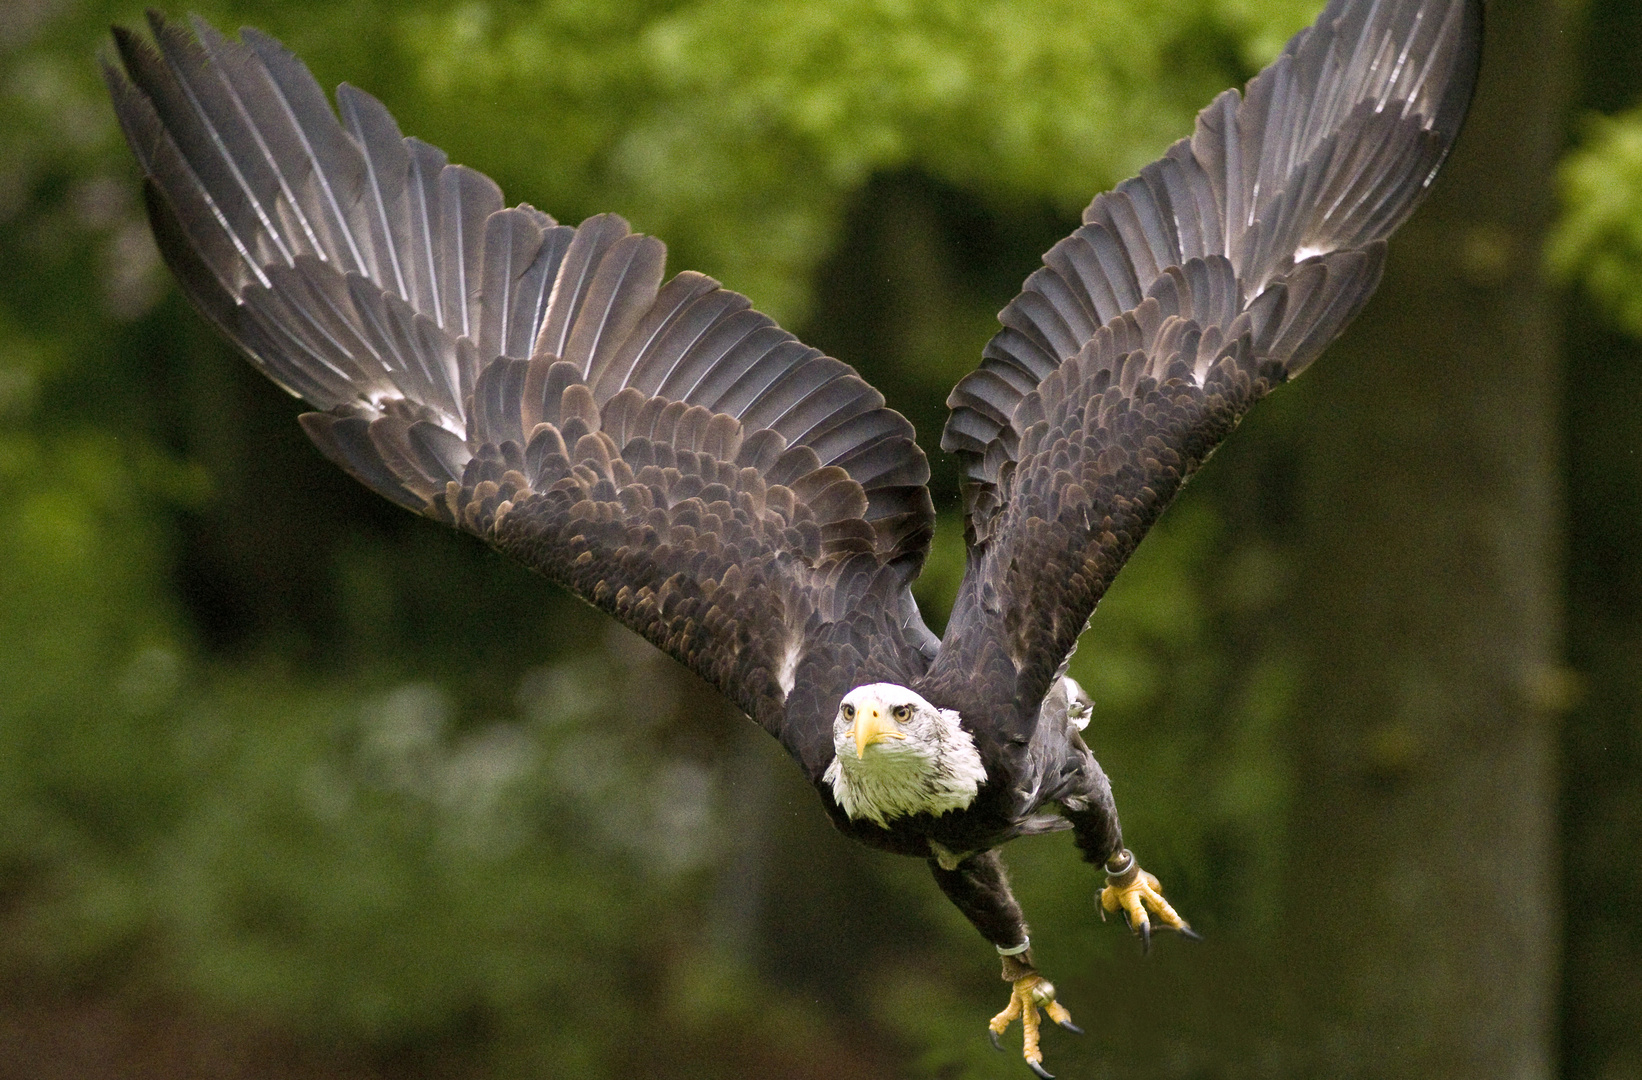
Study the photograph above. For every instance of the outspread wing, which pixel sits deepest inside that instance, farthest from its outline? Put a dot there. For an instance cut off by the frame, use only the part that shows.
(1190, 291)
(665, 451)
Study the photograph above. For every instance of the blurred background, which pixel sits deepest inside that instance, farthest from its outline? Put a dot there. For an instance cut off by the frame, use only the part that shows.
(294, 784)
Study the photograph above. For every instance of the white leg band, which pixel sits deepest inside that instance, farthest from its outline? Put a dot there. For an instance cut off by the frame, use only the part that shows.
(1015, 950)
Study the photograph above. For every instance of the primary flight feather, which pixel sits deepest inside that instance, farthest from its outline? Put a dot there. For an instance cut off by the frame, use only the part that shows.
(750, 505)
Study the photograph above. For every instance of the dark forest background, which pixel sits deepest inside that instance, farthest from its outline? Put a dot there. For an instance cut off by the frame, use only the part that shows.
(293, 784)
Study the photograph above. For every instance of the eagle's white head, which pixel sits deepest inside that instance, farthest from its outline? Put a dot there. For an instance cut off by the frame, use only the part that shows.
(897, 754)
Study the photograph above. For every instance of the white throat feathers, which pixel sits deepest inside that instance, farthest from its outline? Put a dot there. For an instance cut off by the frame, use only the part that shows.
(899, 755)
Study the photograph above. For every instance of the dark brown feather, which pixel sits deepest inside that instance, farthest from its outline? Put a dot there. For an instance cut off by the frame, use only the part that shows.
(1188, 293)
(664, 451)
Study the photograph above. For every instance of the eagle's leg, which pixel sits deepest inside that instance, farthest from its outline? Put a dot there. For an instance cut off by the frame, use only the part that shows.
(1130, 891)
(1027, 994)
(980, 888)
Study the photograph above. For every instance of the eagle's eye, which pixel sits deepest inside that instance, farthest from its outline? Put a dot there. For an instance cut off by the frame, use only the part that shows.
(902, 713)
(849, 712)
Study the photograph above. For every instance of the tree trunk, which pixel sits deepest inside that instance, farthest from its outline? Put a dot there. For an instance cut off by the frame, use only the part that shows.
(1602, 741)
(1423, 888)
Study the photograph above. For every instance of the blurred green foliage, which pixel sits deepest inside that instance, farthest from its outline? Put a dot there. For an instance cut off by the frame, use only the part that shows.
(1598, 239)
(295, 755)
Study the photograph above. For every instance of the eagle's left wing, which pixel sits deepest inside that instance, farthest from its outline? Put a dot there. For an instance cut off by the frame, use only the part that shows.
(1188, 293)
(666, 452)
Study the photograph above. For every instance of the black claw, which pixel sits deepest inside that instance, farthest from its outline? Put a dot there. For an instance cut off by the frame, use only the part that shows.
(1069, 1026)
(993, 1035)
(1146, 937)
(1040, 1070)
(1189, 934)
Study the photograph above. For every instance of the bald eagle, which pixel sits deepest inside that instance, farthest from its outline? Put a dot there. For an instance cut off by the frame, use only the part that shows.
(750, 505)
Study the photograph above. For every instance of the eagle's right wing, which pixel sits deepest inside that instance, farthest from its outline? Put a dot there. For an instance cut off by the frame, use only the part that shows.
(1189, 292)
(671, 455)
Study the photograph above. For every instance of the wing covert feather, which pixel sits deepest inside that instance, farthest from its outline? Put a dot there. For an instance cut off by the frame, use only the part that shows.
(661, 449)
(1189, 291)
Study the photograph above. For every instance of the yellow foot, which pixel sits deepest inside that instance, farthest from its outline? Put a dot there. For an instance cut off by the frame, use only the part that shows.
(1131, 890)
(1029, 994)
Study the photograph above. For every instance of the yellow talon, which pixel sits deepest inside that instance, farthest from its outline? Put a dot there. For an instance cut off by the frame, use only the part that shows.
(1027, 995)
(1131, 891)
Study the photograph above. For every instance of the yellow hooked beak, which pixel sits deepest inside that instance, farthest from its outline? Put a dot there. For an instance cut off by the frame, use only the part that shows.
(873, 725)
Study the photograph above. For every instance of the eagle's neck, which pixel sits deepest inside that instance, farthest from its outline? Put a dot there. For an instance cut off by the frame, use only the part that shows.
(897, 779)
